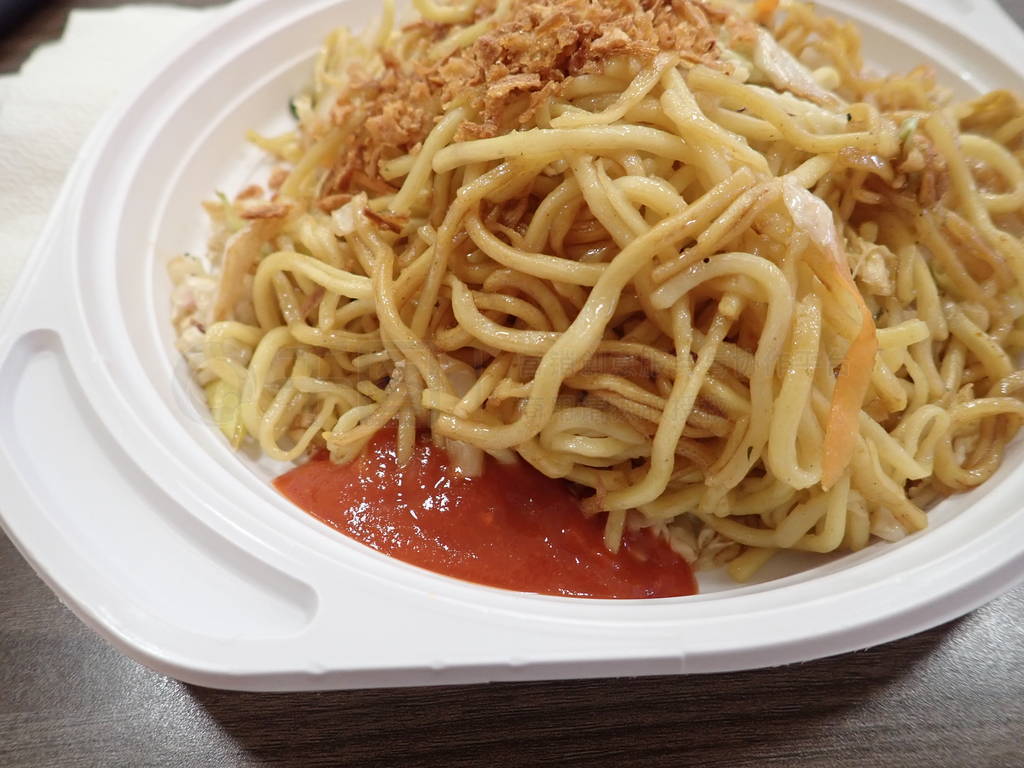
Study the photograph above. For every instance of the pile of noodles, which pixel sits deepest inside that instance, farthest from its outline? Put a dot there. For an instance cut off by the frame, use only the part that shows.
(692, 257)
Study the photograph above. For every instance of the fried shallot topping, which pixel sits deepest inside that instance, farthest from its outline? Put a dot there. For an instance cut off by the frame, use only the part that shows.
(529, 55)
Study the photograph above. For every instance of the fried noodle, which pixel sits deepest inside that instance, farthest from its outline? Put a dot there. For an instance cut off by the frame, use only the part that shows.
(694, 258)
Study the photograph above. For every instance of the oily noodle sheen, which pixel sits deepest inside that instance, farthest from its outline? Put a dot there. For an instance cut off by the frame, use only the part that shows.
(691, 257)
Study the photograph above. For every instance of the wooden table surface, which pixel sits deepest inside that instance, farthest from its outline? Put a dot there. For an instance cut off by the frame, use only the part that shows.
(953, 696)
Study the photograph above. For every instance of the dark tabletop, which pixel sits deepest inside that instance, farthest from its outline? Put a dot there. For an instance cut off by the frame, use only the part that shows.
(953, 696)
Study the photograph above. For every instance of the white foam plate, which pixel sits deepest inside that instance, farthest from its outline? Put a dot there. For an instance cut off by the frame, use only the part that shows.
(124, 498)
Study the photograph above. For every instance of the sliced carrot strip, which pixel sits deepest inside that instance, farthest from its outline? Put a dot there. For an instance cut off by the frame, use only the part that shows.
(813, 216)
(848, 397)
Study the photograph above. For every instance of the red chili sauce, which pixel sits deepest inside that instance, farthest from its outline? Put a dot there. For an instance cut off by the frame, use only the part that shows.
(511, 527)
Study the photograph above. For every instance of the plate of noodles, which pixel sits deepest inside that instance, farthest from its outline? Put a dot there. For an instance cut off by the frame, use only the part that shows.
(496, 339)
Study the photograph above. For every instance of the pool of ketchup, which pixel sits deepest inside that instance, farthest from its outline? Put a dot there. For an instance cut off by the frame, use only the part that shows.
(510, 527)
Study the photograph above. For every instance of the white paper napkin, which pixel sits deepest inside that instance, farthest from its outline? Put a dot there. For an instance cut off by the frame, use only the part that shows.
(48, 109)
